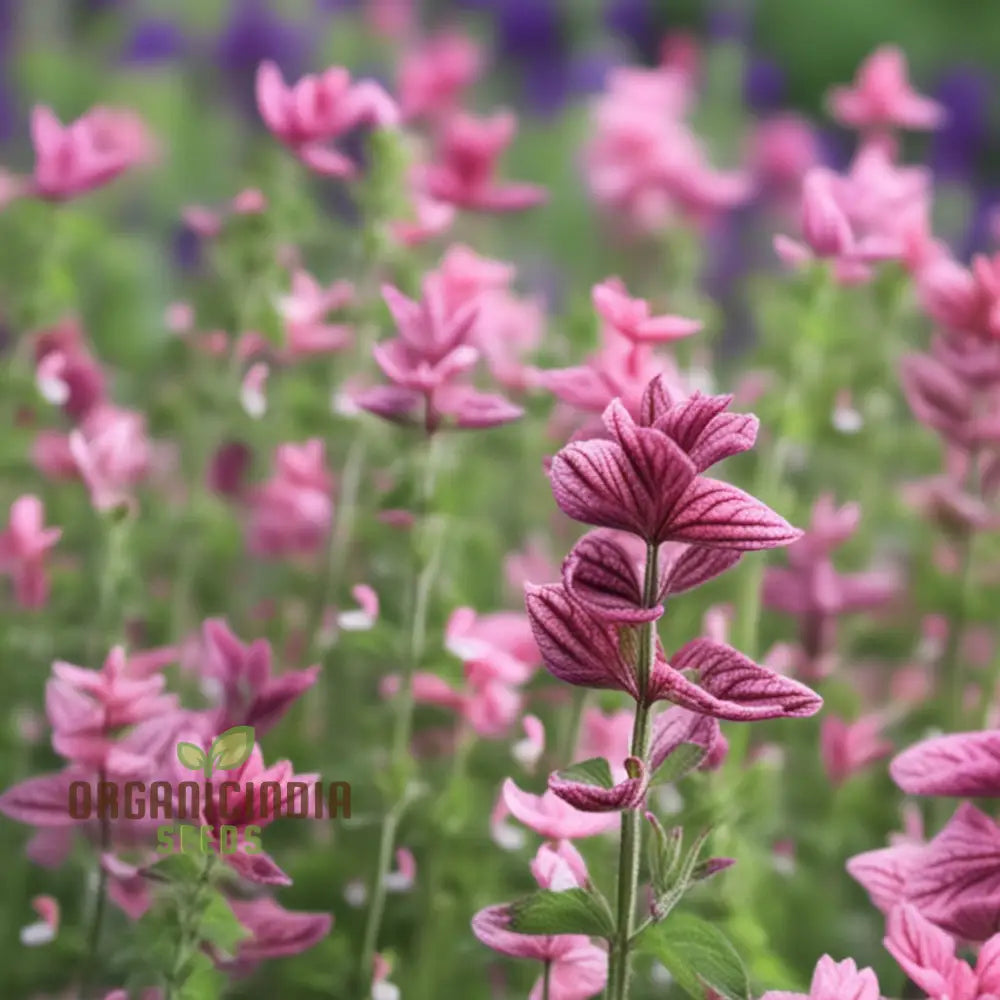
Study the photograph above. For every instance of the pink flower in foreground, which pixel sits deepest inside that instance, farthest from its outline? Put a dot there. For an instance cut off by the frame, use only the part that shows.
(882, 97)
(23, 547)
(433, 75)
(835, 981)
(553, 818)
(317, 110)
(290, 514)
(74, 159)
(646, 480)
(964, 765)
(464, 172)
(848, 747)
(577, 968)
(927, 955)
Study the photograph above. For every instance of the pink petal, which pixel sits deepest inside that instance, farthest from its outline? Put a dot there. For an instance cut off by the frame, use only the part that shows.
(965, 765)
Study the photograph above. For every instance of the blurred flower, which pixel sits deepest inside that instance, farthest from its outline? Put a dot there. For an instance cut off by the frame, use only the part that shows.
(23, 547)
(835, 981)
(317, 110)
(434, 74)
(882, 98)
(849, 747)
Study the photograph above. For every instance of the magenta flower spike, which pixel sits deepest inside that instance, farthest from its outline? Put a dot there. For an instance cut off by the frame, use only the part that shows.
(882, 98)
(464, 172)
(24, 545)
(835, 981)
(318, 110)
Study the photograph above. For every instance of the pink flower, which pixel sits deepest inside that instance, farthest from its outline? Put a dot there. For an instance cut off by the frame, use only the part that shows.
(290, 514)
(964, 300)
(835, 981)
(646, 479)
(927, 955)
(433, 76)
(319, 109)
(250, 695)
(23, 547)
(72, 160)
(577, 968)
(304, 311)
(631, 317)
(644, 164)
(784, 149)
(882, 97)
(426, 360)
(964, 765)
(44, 930)
(276, 932)
(464, 171)
(849, 747)
(86, 707)
(112, 454)
(551, 817)
(66, 372)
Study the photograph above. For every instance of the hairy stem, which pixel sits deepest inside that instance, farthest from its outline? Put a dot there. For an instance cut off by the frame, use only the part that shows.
(630, 850)
(190, 928)
(99, 906)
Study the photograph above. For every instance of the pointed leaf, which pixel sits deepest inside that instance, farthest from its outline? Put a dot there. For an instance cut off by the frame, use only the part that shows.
(595, 771)
(573, 911)
(698, 956)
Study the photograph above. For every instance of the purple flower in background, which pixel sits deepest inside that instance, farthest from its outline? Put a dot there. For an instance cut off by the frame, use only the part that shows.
(530, 29)
(764, 85)
(636, 21)
(255, 33)
(955, 147)
(154, 40)
(979, 236)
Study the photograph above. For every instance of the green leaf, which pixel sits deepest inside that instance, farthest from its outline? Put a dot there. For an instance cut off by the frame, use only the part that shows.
(697, 955)
(203, 980)
(232, 748)
(574, 911)
(191, 756)
(685, 758)
(595, 771)
(178, 868)
(219, 925)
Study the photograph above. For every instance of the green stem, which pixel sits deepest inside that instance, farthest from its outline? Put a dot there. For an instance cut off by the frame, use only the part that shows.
(424, 577)
(100, 906)
(952, 677)
(630, 850)
(190, 927)
(547, 980)
(571, 732)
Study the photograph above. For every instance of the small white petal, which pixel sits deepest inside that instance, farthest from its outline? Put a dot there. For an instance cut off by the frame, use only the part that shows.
(53, 390)
(526, 753)
(355, 620)
(385, 991)
(508, 836)
(356, 893)
(36, 934)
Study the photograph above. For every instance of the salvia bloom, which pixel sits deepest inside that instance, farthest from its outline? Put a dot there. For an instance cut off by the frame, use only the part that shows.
(835, 981)
(434, 75)
(647, 478)
(318, 110)
(882, 98)
(24, 544)
(427, 360)
(74, 159)
(464, 170)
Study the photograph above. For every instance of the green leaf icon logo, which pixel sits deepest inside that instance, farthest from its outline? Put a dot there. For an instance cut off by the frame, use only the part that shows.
(232, 748)
(191, 756)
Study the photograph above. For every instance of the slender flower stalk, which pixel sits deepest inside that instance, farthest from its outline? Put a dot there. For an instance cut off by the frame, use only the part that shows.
(630, 849)
(189, 921)
(425, 573)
